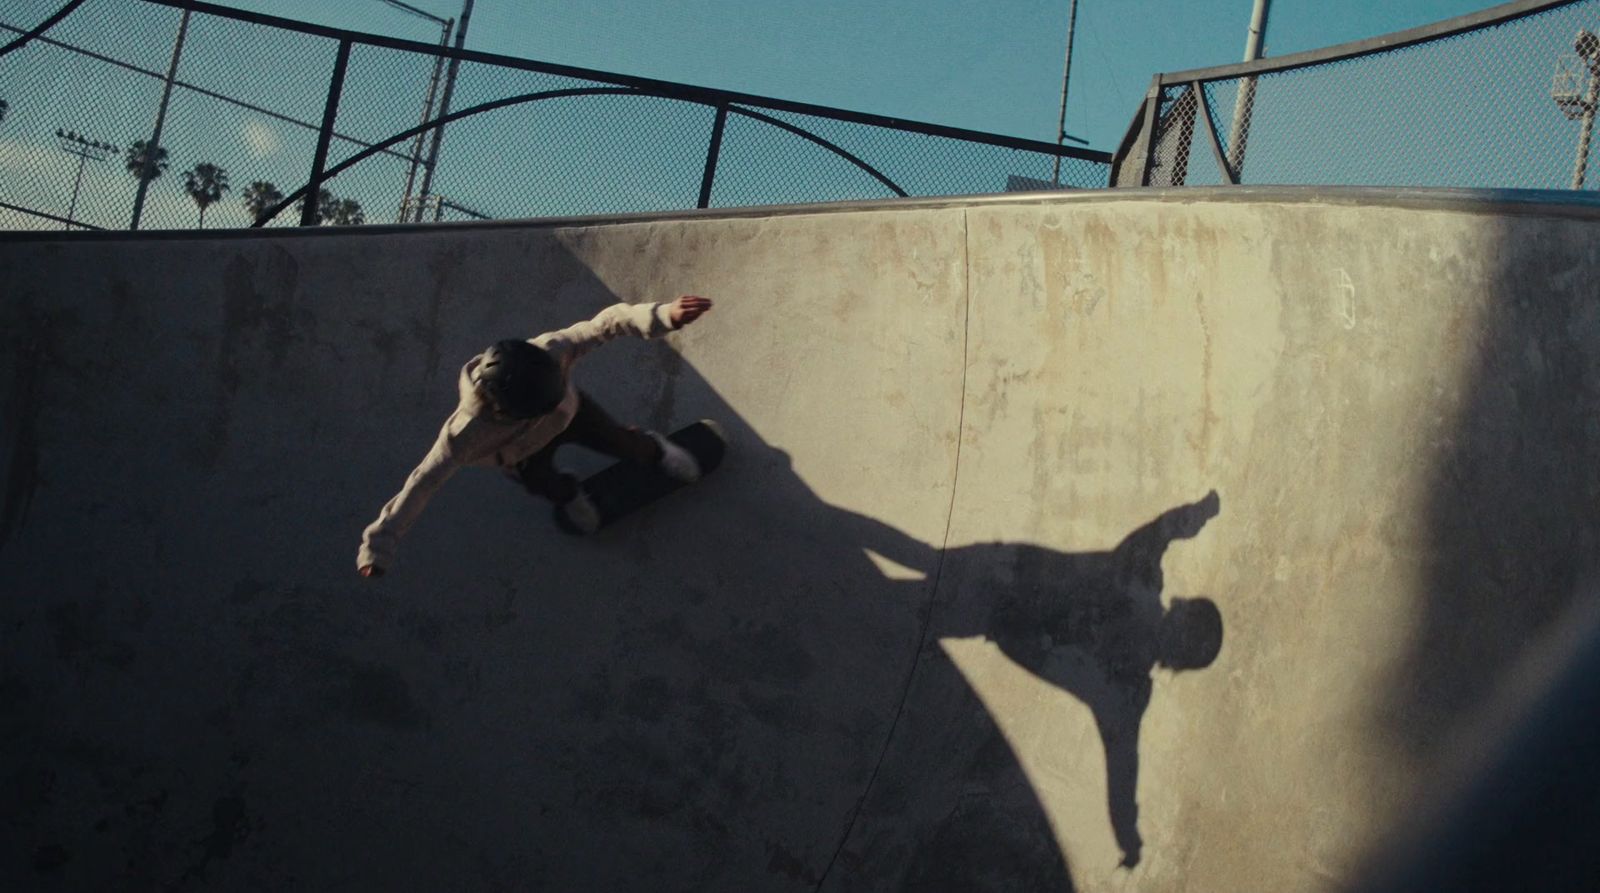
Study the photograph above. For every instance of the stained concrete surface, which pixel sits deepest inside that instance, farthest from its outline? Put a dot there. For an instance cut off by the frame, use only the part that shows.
(1157, 541)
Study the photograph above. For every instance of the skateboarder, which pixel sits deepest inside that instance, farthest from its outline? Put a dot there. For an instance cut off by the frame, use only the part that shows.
(517, 406)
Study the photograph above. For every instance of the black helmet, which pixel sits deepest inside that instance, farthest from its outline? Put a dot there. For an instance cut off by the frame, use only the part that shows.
(522, 380)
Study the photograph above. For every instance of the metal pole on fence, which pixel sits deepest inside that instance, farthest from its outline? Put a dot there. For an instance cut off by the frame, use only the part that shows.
(444, 107)
(1244, 103)
(1066, 78)
(311, 210)
(713, 152)
(153, 149)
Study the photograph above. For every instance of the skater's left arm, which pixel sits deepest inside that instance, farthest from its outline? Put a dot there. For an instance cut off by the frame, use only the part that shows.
(637, 320)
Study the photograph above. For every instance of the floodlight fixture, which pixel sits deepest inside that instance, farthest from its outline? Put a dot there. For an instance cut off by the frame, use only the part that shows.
(1576, 92)
(1587, 45)
(72, 143)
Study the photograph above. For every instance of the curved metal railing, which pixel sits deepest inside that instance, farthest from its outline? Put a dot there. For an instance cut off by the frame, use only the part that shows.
(270, 101)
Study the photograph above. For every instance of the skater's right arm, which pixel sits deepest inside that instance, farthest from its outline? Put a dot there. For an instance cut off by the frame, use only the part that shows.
(381, 538)
(638, 320)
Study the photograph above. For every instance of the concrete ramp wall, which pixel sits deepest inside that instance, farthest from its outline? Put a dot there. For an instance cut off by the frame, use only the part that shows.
(1163, 540)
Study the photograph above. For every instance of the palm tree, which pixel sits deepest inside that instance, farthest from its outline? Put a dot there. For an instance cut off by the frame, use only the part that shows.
(145, 164)
(205, 183)
(345, 212)
(259, 198)
(319, 211)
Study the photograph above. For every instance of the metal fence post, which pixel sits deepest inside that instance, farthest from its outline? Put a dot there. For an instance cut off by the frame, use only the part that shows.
(712, 153)
(1152, 119)
(152, 151)
(310, 212)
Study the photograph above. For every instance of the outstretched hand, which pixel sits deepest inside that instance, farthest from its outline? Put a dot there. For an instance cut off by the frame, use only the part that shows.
(687, 309)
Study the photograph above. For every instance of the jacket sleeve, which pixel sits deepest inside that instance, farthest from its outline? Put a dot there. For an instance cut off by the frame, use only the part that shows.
(381, 538)
(638, 320)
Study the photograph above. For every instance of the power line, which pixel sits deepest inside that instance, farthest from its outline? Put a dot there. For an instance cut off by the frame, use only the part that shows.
(414, 11)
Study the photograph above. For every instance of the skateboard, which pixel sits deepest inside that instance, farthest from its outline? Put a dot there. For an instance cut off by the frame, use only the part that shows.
(623, 488)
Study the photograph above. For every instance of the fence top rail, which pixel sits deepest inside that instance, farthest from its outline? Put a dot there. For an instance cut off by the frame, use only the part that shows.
(1494, 15)
(686, 92)
(40, 28)
(1547, 203)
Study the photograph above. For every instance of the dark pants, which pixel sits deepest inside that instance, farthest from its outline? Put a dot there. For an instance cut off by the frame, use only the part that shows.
(593, 428)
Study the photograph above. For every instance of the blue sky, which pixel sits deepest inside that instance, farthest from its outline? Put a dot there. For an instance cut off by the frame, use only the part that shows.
(992, 65)
(1472, 111)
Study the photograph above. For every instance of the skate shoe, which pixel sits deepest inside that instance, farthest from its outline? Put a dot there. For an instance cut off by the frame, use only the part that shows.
(582, 513)
(677, 462)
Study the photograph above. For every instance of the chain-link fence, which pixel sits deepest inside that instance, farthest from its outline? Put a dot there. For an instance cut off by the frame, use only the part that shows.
(1504, 98)
(250, 115)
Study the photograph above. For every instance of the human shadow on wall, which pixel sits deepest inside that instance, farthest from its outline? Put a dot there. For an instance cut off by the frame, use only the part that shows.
(1090, 623)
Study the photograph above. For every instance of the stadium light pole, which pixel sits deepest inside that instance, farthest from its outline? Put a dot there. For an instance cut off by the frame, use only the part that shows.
(87, 150)
(1588, 48)
(447, 26)
(444, 109)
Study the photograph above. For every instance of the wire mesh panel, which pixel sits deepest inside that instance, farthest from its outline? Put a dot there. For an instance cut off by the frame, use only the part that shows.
(219, 115)
(128, 32)
(542, 144)
(762, 164)
(1479, 108)
(1175, 120)
(385, 93)
(573, 155)
(830, 159)
(241, 118)
(73, 113)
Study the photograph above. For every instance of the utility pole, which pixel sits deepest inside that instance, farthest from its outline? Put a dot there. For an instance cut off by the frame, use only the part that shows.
(150, 151)
(444, 109)
(1239, 133)
(427, 103)
(87, 150)
(1066, 78)
(427, 112)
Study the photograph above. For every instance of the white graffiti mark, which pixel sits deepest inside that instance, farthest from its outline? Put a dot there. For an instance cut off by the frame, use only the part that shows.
(1346, 300)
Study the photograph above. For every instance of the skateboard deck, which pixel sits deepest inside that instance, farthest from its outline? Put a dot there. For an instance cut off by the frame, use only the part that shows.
(623, 488)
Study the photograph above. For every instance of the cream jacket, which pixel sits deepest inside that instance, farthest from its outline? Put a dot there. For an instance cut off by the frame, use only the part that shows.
(472, 435)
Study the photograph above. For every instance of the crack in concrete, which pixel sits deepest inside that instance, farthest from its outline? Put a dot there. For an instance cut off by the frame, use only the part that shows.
(938, 574)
